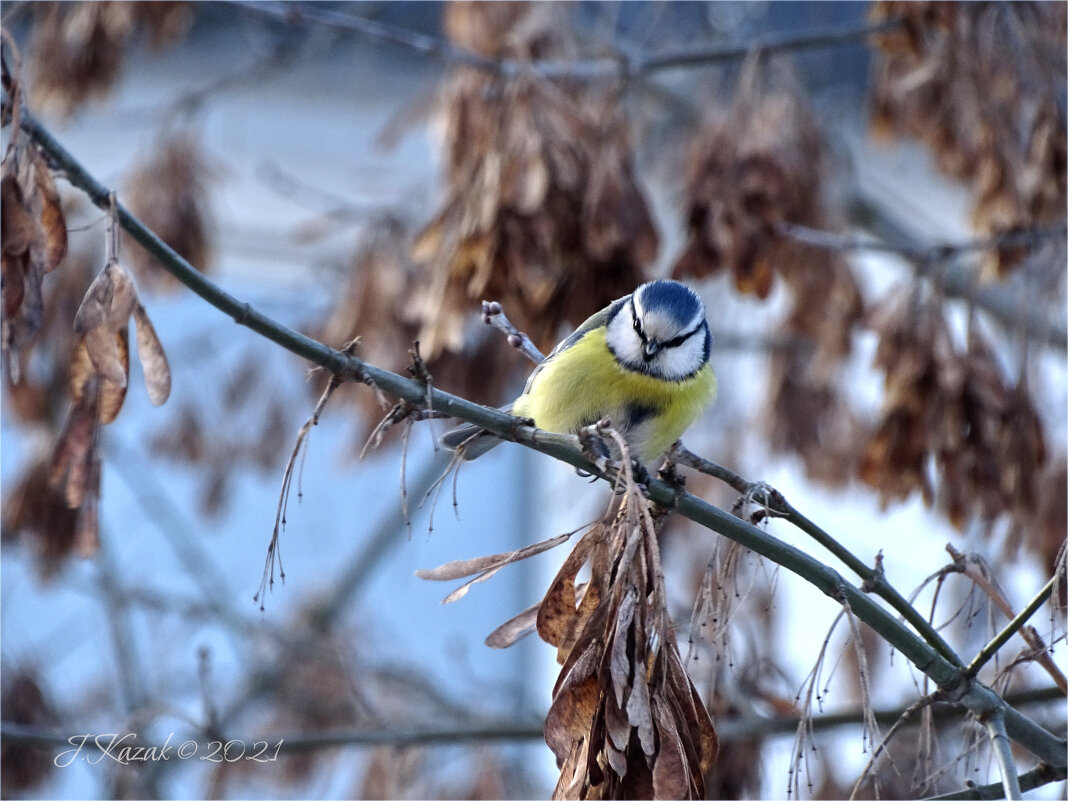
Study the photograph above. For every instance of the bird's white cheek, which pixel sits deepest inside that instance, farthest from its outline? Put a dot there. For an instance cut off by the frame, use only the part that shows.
(677, 363)
(623, 342)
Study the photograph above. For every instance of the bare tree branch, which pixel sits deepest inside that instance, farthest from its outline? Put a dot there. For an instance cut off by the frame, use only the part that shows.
(1013, 625)
(729, 729)
(950, 677)
(793, 42)
(995, 725)
(958, 280)
(924, 255)
(626, 66)
(1037, 777)
(976, 570)
(874, 579)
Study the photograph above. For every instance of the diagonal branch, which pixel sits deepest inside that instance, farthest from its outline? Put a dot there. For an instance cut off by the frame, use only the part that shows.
(950, 678)
(958, 280)
(874, 579)
(973, 567)
(1013, 626)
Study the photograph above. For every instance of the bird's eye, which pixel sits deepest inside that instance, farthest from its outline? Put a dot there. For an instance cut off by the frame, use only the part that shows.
(637, 325)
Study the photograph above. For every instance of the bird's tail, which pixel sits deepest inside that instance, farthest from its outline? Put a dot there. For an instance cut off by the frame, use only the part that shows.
(471, 441)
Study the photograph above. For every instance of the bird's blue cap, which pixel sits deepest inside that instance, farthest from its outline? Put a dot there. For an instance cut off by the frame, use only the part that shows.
(672, 298)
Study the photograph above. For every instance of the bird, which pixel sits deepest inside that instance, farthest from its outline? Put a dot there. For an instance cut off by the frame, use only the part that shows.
(642, 362)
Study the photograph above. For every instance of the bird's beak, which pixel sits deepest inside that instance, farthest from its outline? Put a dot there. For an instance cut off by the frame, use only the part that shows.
(651, 347)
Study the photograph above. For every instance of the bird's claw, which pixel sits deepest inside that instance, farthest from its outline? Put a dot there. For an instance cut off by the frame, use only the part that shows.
(594, 447)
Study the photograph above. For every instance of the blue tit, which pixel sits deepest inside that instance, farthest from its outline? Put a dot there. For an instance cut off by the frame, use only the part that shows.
(642, 362)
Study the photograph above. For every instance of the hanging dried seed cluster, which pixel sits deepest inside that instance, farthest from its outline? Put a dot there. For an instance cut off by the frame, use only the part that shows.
(982, 84)
(954, 410)
(751, 168)
(35, 242)
(77, 48)
(98, 377)
(542, 209)
(168, 192)
(625, 720)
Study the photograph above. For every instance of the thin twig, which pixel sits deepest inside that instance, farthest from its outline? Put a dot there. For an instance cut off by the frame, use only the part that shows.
(303, 13)
(493, 314)
(925, 255)
(971, 566)
(898, 724)
(627, 67)
(804, 729)
(768, 45)
(1011, 628)
(997, 300)
(873, 579)
(871, 726)
(274, 555)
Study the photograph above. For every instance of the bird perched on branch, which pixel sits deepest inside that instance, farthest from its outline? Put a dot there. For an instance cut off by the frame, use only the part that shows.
(642, 362)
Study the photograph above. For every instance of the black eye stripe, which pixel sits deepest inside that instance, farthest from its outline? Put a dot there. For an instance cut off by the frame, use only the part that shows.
(637, 323)
(674, 343)
(671, 343)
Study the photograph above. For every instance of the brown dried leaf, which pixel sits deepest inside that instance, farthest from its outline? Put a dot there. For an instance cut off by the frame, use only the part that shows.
(26, 769)
(108, 303)
(640, 714)
(33, 507)
(513, 630)
(17, 221)
(51, 244)
(620, 665)
(696, 718)
(671, 772)
(557, 609)
(979, 86)
(165, 20)
(14, 289)
(751, 167)
(153, 360)
(574, 703)
(75, 51)
(105, 353)
(80, 371)
(22, 327)
(74, 456)
(519, 223)
(461, 568)
(112, 394)
(169, 192)
(619, 730)
(461, 591)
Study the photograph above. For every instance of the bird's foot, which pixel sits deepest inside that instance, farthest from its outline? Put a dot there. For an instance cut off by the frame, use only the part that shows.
(595, 449)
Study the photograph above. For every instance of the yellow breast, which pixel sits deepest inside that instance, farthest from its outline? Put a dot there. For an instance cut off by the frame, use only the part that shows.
(585, 383)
